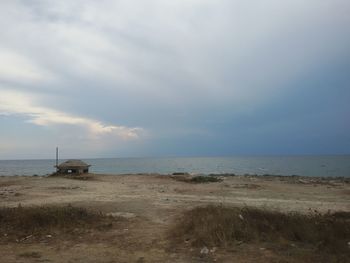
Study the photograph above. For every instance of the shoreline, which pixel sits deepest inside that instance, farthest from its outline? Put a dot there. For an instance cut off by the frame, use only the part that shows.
(344, 179)
(313, 166)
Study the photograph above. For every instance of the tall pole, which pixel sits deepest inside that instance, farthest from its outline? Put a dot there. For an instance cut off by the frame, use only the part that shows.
(56, 158)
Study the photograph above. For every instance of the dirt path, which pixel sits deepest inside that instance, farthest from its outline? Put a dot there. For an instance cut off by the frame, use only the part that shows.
(150, 204)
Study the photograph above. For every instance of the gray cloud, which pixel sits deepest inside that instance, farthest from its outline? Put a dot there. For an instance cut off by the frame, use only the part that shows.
(170, 67)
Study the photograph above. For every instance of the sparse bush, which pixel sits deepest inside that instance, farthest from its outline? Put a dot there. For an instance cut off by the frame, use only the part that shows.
(23, 221)
(224, 226)
(196, 179)
(180, 173)
(205, 179)
(32, 254)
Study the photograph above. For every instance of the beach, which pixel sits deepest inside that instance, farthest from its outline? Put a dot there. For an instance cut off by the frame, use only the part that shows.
(149, 204)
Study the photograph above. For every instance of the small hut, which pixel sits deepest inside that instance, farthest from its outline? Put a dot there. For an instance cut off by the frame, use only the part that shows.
(73, 167)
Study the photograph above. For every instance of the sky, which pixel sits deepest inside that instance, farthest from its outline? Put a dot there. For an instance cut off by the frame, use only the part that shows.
(138, 78)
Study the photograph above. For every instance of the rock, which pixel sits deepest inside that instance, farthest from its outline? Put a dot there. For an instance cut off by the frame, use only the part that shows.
(301, 181)
(204, 250)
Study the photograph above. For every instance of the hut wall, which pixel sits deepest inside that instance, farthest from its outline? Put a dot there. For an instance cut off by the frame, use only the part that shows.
(73, 171)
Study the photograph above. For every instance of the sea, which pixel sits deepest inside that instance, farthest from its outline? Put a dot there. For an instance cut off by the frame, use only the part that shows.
(302, 165)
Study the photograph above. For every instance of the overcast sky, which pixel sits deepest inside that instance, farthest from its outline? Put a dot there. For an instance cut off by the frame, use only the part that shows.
(174, 78)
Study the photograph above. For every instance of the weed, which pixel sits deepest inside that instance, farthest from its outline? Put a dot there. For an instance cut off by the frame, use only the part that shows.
(205, 179)
(32, 254)
(225, 226)
(197, 179)
(19, 222)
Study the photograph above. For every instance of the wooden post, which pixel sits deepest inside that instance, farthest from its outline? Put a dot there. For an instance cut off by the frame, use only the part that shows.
(56, 159)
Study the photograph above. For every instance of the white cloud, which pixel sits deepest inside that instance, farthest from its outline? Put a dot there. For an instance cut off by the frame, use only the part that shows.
(22, 104)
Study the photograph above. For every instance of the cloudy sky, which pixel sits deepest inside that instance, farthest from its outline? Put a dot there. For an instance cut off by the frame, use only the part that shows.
(174, 78)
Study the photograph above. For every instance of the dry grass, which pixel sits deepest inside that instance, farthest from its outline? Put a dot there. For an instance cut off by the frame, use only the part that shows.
(82, 177)
(196, 179)
(6, 184)
(223, 227)
(32, 254)
(20, 222)
(205, 179)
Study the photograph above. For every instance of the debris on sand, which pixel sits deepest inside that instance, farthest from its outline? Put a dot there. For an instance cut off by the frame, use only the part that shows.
(204, 250)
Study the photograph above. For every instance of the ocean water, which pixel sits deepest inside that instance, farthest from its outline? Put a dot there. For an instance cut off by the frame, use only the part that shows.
(334, 165)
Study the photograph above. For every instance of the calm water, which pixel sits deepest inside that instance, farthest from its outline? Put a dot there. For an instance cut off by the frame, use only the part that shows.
(282, 165)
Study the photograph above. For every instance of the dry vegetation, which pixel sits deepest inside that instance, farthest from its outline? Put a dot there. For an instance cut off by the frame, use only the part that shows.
(218, 226)
(139, 211)
(19, 223)
(325, 236)
(82, 177)
(196, 179)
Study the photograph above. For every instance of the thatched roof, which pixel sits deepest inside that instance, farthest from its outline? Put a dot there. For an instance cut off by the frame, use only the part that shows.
(73, 164)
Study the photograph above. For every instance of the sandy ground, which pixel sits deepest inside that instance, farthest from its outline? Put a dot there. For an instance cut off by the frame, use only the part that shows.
(150, 205)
